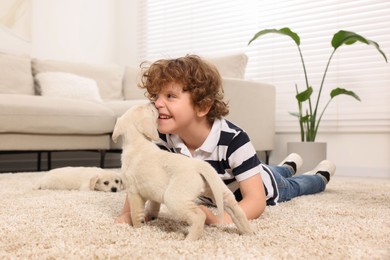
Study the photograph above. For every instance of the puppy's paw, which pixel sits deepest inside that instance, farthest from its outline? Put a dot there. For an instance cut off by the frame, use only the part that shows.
(150, 218)
(138, 219)
(152, 210)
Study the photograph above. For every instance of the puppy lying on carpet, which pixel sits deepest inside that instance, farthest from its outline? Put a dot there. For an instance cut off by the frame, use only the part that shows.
(159, 176)
(81, 178)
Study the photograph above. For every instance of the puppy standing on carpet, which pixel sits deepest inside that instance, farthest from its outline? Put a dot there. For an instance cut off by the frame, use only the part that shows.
(81, 178)
(177, 181)
(188, 93)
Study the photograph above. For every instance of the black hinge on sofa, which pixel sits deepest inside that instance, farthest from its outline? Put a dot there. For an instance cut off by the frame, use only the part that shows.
(39, 161)
(102, 157)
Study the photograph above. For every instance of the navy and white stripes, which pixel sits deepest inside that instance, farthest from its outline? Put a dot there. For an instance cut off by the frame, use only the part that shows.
(230, 152)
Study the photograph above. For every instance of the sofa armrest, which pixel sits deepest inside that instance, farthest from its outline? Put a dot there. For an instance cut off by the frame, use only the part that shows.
(252, 107)
(130, 80)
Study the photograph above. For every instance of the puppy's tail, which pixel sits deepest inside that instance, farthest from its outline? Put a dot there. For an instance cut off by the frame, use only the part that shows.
(216, 185)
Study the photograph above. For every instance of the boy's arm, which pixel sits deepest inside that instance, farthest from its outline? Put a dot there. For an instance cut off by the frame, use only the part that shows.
(253, 202)
(253, 196)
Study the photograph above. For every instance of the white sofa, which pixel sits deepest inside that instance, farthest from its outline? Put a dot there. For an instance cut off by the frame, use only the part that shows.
(37, 115)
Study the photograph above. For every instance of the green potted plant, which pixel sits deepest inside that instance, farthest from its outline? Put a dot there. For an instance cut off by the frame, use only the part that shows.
(309, 115)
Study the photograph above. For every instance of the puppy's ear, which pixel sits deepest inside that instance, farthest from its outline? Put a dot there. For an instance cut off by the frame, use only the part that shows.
(122, 185)
(93, 181)
(148, 128)
(118, 130)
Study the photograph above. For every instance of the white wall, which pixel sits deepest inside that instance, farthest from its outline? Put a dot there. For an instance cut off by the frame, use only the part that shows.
(127, 27)
(11, 43)
(75, 30)
(15, 27)
(101, 31)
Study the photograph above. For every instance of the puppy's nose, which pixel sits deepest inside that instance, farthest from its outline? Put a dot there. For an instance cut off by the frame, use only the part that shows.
(114, 189)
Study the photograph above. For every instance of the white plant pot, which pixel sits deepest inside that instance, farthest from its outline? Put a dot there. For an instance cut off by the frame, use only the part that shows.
(311, 152)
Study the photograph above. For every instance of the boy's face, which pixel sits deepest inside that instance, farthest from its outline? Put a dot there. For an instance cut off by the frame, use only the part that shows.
(177, 114)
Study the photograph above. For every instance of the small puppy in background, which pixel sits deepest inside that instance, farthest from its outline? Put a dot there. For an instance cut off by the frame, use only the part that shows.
(81, 178)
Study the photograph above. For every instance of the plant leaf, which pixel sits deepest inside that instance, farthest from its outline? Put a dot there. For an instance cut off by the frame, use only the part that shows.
(284, 31)
(305, 119)
(304, 95)
(341, 91)
(296, 114)
(349, 38)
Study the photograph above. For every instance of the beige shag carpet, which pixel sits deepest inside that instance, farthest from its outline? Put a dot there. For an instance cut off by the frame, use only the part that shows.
(350, 220)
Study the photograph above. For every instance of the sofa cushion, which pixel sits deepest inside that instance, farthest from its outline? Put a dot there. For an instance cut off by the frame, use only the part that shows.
(50, 142)
(67, 85)
(231, 66)
(42, 115)
(15, 75)
(108, 77)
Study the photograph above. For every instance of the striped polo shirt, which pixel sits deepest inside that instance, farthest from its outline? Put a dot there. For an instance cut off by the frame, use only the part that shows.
(229, 150)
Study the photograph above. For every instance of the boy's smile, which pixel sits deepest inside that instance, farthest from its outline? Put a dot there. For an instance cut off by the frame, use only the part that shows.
(164, 116)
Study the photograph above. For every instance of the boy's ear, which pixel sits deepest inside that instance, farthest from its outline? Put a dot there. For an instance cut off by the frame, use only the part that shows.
(202, 112)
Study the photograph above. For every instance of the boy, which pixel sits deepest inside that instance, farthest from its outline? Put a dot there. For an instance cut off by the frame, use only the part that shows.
(189, 97)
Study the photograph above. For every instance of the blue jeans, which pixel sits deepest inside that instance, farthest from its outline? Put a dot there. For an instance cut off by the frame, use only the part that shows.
(290, 186)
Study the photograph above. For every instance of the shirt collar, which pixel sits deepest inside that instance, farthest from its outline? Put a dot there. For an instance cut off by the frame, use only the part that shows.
(212, 139)
(208, 145)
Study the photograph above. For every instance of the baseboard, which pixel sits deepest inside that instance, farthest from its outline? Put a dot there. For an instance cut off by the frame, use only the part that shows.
(360, 171)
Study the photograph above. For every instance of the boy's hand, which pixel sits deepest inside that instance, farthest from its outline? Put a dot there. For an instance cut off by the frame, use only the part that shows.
(212, 219)
(124, 218)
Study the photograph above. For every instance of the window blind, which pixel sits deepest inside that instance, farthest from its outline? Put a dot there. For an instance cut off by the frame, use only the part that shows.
(171, 28)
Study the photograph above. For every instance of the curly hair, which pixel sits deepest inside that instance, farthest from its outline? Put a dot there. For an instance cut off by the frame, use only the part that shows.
(198, 77)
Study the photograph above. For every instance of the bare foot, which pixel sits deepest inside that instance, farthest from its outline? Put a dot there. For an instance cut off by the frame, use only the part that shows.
(124, 218)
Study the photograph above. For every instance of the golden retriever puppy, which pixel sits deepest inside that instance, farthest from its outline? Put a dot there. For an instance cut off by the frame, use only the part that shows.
(81, 178)
(158, 176)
